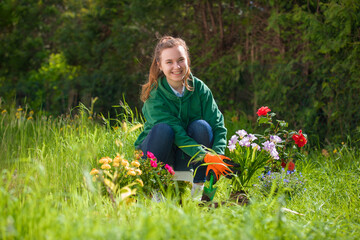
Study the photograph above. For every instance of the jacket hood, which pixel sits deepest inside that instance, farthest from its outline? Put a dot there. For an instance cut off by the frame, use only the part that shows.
(165, 89)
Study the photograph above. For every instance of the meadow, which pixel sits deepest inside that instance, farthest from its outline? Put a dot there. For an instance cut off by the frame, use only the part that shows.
(46, 191)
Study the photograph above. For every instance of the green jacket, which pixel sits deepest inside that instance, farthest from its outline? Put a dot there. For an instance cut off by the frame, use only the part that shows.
(163, 106)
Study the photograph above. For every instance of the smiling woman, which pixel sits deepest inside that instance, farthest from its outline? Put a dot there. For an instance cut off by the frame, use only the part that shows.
(181, 115)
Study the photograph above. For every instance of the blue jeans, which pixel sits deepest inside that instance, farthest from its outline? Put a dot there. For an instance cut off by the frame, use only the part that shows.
(160, 141)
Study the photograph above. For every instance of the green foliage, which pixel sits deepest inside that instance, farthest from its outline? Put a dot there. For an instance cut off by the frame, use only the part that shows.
(44, 193)
(301, 57)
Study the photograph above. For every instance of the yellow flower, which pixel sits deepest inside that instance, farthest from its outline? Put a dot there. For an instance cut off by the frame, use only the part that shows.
(4, 111)
(105, 166)
(131, 173)
(138, 171)
(17, 115)
(135, 163)
(117, 159)
(30, 118)
(335, 151)
(31, 112)
(19, 109)
(140, 181)
(116, 164)
(125, 163)
(90, 117)
(105, 160)
(94, 171)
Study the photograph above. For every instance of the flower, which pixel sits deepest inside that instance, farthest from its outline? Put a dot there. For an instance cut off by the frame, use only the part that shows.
(170, 169)
(275, 139)
(232, 147)
(263, 111)
(138, 171)
(105, 166)
(94, 171)
(299, 139)
(254, 145)
(150, 155)
(291, 166)
(135, 163)
(153, 163)
(125, 163)
(131, 173)
(242, 133)
(4, 111)
(105, 160)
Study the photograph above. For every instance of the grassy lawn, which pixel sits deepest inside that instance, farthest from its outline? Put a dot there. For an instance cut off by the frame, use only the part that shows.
(45, 192)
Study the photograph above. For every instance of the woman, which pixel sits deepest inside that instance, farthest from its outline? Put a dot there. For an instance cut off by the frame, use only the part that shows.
(181, 115)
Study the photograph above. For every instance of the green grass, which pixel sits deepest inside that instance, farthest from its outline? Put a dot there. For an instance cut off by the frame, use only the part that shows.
(44, 193)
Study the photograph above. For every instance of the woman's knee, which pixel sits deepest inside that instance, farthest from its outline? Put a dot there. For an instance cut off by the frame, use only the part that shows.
(201, 131)
(163, 130)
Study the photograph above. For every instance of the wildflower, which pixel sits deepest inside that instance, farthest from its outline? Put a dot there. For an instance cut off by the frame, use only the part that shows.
(232, 147)
(131, 173)
(138, 171)
(268, 146)
(138, 154)
(153, 163)
(170, 169)
(19, 109)
(252, 137)
(30, 118)
(254, 145)
(245, 142)
(291, 166)
(117, 159)
(3, 111)
(90, 118)
(299, 139)
(233, 140)
(335, 151)
(135, 163)
(105, 160)
(125, 163)
(275, 139)
(94, 171)
(116, 164)
(242, 133)
(150, 155)
(263, 111)
(31, 112)
(105, 166)
(140, 181)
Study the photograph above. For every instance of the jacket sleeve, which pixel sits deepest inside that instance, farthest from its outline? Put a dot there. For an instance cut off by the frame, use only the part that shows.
(151, 110)
(215, 118)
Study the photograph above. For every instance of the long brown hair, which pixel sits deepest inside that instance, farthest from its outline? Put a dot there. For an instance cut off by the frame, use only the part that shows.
(164, 43)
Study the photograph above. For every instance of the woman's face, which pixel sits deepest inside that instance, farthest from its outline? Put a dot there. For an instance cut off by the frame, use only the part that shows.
(174, 64)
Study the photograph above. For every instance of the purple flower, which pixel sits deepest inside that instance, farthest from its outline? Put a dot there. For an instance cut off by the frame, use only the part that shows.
(254, 145)
(233, 140)
(268, 146)
(242, 133)
(231, 147)
(252, 137)
(274, 153)
(275, 139)
(245, 142)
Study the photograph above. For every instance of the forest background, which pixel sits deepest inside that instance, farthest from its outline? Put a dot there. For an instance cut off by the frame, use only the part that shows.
(300, 58)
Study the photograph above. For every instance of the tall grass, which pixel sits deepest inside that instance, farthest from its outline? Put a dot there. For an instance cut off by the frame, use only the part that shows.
(45, 194)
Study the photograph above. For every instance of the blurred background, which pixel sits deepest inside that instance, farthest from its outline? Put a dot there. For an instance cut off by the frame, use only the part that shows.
(299, 58)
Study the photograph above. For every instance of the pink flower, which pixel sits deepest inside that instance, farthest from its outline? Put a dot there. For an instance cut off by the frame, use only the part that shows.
(170, 169)
(150, 155)
(153, 163)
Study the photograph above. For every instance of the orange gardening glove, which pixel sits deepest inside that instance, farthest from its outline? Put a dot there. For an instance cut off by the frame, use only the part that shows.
(219, 165)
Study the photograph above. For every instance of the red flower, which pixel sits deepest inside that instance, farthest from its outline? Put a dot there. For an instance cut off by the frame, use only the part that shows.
(170, 169)
(283, 164)
(291, 166)
(263, 111)
(299, 139)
